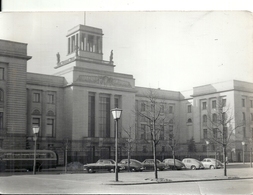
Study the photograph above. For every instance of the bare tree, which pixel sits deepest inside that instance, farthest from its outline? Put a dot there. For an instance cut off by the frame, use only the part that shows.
(221, 127)
(129, 141)
(155, 120)
(173, 137)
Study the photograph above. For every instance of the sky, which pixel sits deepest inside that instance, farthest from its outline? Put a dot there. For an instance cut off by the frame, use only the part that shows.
(171, 50)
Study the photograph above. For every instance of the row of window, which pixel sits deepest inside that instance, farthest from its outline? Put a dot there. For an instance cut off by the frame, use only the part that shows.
(50, 98)
(216, 133)
(144, 107)
(49, 130)
(214, 104)
(145, 133)
(244, 103)
(214, 117)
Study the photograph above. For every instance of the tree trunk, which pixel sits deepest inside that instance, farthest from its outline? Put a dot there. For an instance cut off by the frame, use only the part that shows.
(174, 161)
(224, 159)
(155, 165)
(128, 160)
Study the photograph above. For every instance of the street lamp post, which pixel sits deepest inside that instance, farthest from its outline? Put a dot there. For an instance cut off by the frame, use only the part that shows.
(250, 156)
(243, 143)
(207, 143)
(35, 133)
(116, 113)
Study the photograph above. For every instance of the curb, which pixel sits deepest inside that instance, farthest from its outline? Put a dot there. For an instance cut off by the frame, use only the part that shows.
(176, 181)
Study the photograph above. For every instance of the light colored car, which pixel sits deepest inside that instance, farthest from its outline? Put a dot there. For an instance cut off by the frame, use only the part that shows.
(211, 163)
(169, 163)
(191, 163)
(134, 165)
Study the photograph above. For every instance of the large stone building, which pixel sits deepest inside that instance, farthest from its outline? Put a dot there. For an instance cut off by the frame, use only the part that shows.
(73, 107)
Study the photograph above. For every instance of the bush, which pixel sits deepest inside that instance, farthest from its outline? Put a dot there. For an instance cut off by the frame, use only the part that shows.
(75, 166)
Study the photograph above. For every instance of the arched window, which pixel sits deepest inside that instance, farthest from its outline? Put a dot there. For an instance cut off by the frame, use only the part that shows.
(215, 118)
(189, 120)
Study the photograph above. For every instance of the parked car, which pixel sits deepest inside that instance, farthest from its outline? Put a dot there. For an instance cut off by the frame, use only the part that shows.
(102, 164)
(135, 165)
(169, 164)
(211, 163)
(191, 163)
(149, 164)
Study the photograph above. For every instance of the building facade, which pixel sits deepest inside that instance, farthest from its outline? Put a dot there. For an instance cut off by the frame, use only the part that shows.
(73, 107)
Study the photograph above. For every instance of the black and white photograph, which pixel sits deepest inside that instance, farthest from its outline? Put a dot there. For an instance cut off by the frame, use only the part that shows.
(126, 101)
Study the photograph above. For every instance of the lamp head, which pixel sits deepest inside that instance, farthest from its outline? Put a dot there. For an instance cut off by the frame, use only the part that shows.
(36, 129)
(116, 113)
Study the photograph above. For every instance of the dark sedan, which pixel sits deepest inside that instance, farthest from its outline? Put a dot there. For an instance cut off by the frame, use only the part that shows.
(169, 163)
(149, 164)
(102, 164)
(134, 165)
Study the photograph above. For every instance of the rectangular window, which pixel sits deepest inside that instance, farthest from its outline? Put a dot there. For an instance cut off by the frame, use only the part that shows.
(162, 108)
(91, 116)
(116, 103)
(170, 131)
(142, 107)
(105, 116)
(244, 132)
(189, 108)
(162, 132)
(214, 104)
(215, 133)
(204, 133)
(204, 148)
(251, 103)
(143, 131)
(224, 102)
(50, 128)
(1, 73)
(203, 105)
(36, 97)
(170, 109)
(243, 102)
(35, 123)
(1, 120)
(50, 98)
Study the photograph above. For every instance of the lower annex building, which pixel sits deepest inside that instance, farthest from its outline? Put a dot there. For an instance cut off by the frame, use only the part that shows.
(73, 107)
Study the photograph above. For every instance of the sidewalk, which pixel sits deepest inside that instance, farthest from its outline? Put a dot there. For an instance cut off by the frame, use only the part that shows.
(186, 176)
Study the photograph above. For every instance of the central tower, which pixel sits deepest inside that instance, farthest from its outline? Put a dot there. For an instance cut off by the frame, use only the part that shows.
(85, 41)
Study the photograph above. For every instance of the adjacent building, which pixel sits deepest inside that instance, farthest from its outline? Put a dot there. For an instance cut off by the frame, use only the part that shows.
(73, 107)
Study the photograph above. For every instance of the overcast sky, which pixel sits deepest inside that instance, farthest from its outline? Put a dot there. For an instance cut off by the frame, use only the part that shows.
(169, 50)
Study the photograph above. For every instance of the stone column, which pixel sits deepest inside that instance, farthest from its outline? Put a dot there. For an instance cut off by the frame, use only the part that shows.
(97, 133)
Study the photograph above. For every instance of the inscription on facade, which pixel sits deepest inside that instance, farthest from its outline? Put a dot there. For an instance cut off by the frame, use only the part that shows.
(103, 80)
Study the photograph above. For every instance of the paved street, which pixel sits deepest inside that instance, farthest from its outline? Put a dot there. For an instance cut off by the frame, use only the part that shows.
(238, 181)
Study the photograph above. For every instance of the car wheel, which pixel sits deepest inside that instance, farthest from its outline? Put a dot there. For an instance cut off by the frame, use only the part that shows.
(211, 167)
(193, 167)
(112, 170)
(90, 170)
(132, 169)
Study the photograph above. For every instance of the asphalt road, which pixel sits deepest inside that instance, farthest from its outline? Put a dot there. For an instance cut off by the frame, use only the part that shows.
(59, 183)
